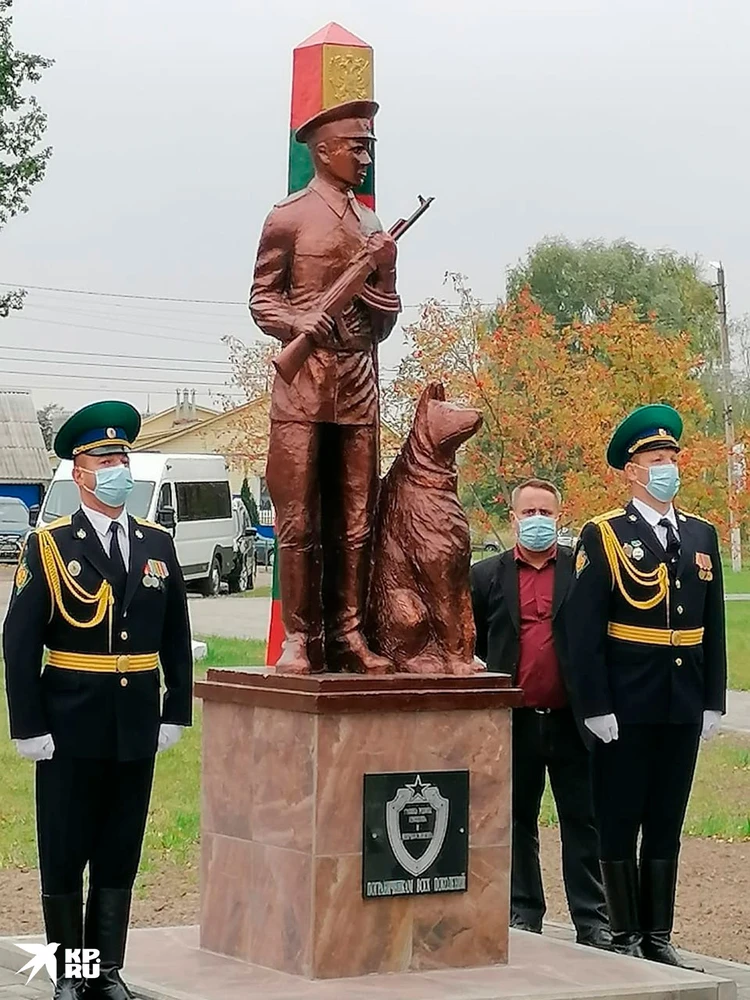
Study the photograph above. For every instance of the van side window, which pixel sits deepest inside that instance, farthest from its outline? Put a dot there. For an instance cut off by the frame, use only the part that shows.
(203, 501)
(165, 497)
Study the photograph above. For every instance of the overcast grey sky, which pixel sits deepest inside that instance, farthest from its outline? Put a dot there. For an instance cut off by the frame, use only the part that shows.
(525, 118)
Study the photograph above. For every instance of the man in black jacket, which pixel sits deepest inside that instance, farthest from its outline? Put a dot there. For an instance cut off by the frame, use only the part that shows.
(102, 592)
(518, 600)
(646, 614)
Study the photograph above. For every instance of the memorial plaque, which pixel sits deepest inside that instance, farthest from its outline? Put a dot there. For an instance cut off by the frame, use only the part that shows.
(415, 833)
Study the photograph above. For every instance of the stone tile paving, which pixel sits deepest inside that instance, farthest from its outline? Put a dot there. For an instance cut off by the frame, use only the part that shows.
(13, 985)
(740, 974)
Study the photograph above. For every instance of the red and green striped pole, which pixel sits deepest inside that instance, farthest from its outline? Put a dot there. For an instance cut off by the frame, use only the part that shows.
(330, 67)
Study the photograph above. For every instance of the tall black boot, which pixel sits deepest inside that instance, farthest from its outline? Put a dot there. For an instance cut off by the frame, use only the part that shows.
(658, 888)
(621, 892)
(63, 922)
(107, 915)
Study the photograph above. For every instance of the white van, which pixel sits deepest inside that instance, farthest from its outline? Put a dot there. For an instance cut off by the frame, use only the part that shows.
(188, 494)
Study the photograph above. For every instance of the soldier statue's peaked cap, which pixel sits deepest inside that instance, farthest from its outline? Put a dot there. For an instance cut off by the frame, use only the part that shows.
(645, 429)
(351, 120)
(106, 428)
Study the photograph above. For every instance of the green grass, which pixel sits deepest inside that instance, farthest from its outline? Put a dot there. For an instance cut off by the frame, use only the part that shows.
(738, 644)
(719, 804)
(736, 583)
(223, 652)
(264, 591)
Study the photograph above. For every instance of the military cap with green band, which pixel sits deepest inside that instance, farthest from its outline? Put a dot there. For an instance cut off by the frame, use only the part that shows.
(647, 428)
(106, 428)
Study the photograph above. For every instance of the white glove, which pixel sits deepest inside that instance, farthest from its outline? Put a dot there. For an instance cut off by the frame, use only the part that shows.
(168, 736)
(37, 748)
(604, 727)
(711, 722)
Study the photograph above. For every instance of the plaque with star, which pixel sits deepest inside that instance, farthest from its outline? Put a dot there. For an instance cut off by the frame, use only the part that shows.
(415, 833)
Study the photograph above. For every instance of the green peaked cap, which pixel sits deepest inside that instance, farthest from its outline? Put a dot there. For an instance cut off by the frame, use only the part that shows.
(103, 428)
(645, 429)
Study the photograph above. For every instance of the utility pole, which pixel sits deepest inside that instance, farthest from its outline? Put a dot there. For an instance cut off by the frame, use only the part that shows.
(726, 367)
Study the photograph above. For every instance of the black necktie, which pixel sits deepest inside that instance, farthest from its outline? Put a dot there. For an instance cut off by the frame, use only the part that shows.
(119, 573)
(673, 542)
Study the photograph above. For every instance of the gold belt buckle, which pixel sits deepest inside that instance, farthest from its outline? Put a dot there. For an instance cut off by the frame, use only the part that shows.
(121, 664)
(675, 639)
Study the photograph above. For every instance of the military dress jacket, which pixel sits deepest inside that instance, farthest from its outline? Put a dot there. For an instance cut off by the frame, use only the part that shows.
(308, 241)
(63, 602)
(647, 641)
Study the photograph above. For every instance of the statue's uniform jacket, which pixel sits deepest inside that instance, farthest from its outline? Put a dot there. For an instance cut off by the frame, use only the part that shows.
(308, 240)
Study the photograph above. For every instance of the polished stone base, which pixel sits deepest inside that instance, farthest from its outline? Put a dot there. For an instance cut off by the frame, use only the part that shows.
(283, 766)
(167, 964)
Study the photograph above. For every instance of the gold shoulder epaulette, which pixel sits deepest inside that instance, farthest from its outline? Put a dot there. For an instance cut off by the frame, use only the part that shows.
(149, 524)
(608, 516)
(59, 522)
(695, 517)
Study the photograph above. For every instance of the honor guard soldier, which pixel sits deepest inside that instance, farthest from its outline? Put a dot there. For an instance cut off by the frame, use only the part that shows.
(102, 592)
(648, 651)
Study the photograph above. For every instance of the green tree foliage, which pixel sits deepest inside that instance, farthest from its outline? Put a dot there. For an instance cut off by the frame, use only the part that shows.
(22, 125)
(249, 501)
(586, 281)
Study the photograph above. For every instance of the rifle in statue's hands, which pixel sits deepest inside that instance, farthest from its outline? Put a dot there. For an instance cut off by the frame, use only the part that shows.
(338, 297)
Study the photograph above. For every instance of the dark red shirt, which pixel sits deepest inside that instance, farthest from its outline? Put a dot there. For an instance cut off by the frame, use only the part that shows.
(538, 673)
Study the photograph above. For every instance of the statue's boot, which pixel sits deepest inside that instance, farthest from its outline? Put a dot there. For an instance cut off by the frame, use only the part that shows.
(63, 922)
(346, 648)
(300, 580)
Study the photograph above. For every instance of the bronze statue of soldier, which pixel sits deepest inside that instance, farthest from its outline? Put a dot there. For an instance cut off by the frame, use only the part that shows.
(322, 469)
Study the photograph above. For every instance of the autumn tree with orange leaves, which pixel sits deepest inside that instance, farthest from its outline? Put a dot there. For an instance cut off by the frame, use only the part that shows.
(551, 398)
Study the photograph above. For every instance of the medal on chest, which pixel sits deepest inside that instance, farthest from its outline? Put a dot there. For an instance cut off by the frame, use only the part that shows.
(154, 572)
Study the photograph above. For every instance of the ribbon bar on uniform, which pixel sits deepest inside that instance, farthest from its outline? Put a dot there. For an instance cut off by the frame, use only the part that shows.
(94, 663)
(655, 636)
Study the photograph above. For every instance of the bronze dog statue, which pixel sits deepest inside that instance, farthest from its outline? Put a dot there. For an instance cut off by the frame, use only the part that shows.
(419, 608)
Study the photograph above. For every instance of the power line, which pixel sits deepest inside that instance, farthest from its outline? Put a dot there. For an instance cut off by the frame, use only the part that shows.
(149, 298)
(142, 321)
(105, 365)
(123, 295)
(117, 378)
(109, 329)
(124, 357)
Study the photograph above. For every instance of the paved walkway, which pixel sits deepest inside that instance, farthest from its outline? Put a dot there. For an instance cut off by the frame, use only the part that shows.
(13, 986)
(737, 973)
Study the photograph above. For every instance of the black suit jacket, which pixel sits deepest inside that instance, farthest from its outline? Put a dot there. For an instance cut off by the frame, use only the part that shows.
(94, 714)
(497, 616)
(641, 682)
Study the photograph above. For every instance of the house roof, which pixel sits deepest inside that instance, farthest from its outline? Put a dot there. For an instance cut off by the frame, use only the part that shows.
(201, 410)
(23, 456)
(200, 426)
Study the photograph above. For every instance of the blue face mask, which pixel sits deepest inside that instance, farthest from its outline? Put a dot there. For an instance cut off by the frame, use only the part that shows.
(663, 482)
(113, 485)
(537, 532)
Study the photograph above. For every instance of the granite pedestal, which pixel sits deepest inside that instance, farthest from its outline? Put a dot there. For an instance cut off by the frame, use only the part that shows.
(283, 766)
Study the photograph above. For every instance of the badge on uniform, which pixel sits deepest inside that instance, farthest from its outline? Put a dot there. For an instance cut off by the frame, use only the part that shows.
(582, 561)
(23, 574)
(705, 566)
(154, 572)
(636, 549)
(74, 567)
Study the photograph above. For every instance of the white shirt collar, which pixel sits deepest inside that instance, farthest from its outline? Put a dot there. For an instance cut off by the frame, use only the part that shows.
(652, 516)
(101, 522)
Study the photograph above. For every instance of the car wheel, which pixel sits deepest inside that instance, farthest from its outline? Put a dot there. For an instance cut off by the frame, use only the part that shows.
(210, 586)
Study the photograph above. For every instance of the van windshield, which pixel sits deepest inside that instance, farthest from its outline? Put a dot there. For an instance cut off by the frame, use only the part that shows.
(63, 498)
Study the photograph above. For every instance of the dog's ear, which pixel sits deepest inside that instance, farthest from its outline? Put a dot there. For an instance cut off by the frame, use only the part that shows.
(436, 390)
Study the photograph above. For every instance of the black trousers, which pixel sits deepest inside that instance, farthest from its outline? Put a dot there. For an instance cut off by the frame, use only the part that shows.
(550, 742)
(642, 784)
(91, 812)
